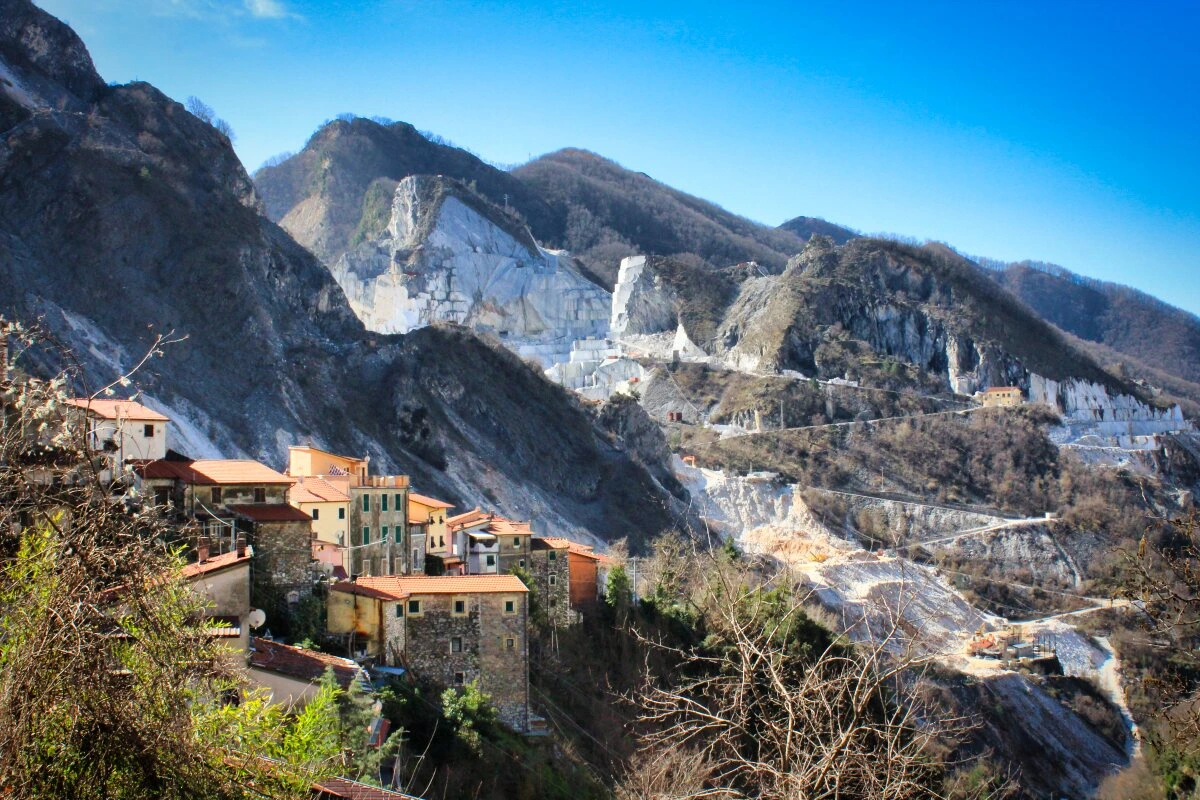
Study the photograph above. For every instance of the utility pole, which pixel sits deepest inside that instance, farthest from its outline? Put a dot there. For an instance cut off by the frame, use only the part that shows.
(506, 201)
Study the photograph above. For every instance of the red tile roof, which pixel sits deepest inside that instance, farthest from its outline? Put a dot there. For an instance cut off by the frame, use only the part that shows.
(297, 662)
(401, 586)
(343, 789)
(211, 472)
(469, 518)
(216, 563)
(271, 512)
(430, 502)
(349, 587)
(118, 409)
(561, 543)
(316, 490)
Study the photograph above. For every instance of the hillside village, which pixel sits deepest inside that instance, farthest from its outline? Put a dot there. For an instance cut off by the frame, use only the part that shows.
(404, 583)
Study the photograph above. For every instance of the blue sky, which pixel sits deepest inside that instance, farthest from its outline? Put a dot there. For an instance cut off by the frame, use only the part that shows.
(1013, 130)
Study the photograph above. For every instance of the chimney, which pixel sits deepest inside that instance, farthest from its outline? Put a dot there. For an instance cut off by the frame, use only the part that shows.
(241, 545)
(202, 550)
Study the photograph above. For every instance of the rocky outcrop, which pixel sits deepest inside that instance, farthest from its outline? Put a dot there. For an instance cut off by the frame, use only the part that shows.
(641, 302)
(1092, 410)
(448, 256)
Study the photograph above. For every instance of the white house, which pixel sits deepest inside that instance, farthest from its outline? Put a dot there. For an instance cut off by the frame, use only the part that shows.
(123, 430)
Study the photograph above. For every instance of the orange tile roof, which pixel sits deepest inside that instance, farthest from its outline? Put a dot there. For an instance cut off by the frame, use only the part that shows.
(586, 550)
(363, 591)
(339, 456)
(118, 409)
(271, 512)
(400, 586)
(316, 490)
(215, 563)
(239, 471)
(472, 517)
(413, 497)
(1002, 389)
(300, 663)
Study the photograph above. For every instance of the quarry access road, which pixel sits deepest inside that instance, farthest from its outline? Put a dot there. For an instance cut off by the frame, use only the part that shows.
(1101, 604)
(845, 424)
(1012, 523)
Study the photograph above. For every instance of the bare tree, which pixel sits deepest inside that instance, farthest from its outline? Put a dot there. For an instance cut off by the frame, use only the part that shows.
(757, 710)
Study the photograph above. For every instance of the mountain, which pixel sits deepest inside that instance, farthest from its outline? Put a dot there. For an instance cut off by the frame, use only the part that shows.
(612, 212)
(122, 216)
(337, 191)
(1130, 322)
(807, 227)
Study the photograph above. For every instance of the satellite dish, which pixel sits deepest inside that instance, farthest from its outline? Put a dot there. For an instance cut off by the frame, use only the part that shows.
(256, 617)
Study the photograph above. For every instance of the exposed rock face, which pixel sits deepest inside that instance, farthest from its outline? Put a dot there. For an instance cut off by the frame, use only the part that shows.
(641, 303)
(1089, 409)
(445, 256)
(122, 215)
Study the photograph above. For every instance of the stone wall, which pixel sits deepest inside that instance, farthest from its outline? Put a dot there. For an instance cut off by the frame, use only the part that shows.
(555, 599)
(486, 632)
(283, 551)
(380, 557)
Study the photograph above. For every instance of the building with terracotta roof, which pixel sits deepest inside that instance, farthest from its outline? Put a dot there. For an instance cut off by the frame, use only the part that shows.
(123, 430)
(292, 674)
(378, 540)
(227, 497)
(224, 582)
(451, 630)
(587, 570)
(483, 543)
(327, 501)
(1001, 397)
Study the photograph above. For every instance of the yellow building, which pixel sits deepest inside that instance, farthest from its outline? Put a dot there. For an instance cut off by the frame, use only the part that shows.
(1001, 397)
(327, 501)
(306, 460)
(431, 514)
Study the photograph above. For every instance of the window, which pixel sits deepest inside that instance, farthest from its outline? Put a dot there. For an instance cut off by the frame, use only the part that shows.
(216, 494)
(162, 497)
(366, 502)
(148, 431)
(416, 557)
(553, 556)
(399, 609)
(553, 580)
(521, 563)
(316, 513)
(455, 644)
(441, 541)
(460, 608)
(459, 679)
(399, 501)
(414, 608)
(510, 643)
(554, 602)
(366, 534)
(510, 606)
(383, 532)
(383, 502)
(516, 541)
(260, 495)
(491, 560)
(341, 512)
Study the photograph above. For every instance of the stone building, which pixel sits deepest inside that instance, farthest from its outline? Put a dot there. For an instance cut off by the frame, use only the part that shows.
(452, 630)
(378, 541)
(587, 570)
(1001, 397)
(550, 570)
(225, 498)
(482, 543)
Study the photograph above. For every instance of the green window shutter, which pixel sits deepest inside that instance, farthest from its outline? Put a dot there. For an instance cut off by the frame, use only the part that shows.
(383, 532)
(399, 502)
(366, 534)
(383, 502)
(366, 502)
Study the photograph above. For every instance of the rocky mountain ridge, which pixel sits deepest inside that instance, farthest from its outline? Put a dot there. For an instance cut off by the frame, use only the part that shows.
(122, 215)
